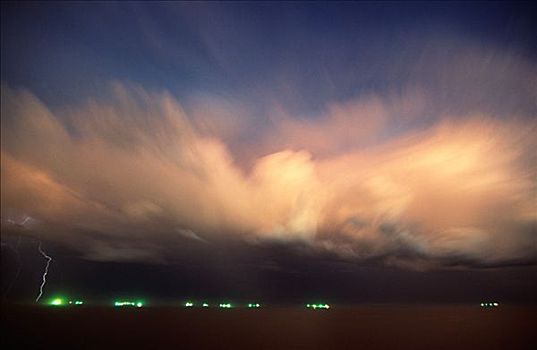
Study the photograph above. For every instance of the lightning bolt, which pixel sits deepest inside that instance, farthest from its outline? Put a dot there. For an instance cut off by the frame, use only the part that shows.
(49, 259)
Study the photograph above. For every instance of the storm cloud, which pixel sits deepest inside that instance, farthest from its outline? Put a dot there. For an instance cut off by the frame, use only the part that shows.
(133, 176)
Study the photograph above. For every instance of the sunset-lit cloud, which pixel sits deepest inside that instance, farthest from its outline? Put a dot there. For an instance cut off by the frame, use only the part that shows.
(132, 175)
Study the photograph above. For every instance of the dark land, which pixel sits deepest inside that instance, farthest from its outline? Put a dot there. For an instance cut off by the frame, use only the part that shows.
(341, 327)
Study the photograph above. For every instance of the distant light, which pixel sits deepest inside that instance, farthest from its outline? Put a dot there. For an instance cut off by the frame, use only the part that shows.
(122, 303)
(57, 302)
(189, 304)
(205, 305)
(225, 306)
(493, 304)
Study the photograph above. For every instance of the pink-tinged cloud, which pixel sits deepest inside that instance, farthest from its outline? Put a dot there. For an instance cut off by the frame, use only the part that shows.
(125, 178)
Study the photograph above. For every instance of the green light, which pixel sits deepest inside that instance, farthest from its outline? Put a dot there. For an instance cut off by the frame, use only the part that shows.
(189, 304)
(57, 302)
(123, 303)
(318, 306)
(225, 306)
(205, 305)
(253, 305)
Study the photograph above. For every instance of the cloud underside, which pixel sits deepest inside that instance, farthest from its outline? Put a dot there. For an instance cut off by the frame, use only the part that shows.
(130, 177)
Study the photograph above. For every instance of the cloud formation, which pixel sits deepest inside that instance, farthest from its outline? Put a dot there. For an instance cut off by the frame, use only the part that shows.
(129, 177)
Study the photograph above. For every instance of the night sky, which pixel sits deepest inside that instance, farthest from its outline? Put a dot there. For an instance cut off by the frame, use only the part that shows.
(347, 152)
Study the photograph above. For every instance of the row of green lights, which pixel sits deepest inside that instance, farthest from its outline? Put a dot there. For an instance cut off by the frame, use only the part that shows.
(489, 304)
(128, 303)
(63, 302)
(121, 303)
(318, 306)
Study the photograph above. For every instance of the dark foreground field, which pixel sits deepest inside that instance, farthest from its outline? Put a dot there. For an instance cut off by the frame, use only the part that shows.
(358, 327)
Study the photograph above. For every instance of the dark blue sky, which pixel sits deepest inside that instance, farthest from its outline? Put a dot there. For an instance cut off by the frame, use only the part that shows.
(304, 55)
